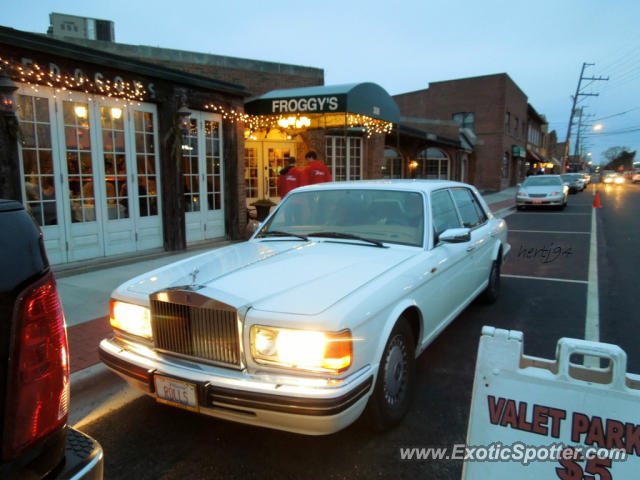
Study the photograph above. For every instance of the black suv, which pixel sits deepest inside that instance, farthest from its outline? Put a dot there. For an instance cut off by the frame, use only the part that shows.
(35, 441)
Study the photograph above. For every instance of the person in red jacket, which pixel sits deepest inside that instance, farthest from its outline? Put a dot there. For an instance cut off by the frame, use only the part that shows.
(290, 177)
(315, 171)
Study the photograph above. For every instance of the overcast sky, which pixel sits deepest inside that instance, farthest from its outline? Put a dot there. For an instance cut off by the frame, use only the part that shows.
(404, 45)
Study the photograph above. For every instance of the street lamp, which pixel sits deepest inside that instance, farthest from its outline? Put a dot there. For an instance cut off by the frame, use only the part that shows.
(597, 127)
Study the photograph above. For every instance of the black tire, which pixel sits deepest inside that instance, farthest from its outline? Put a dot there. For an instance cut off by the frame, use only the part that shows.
(492, 292)
(395, 385)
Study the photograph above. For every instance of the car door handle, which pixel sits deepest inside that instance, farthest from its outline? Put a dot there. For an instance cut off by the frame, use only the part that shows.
(471, 248)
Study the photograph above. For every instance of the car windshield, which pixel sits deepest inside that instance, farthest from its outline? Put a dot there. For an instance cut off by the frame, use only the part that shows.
(541, 181)
(380, 215)
(568, 177)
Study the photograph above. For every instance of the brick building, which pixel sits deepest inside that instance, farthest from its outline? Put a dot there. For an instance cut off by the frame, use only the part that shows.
(257, 77)
(492, 107)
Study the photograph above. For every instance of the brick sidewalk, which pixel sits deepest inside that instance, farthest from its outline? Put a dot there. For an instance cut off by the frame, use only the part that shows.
(84, 340)
(509, 202)
(85, 337)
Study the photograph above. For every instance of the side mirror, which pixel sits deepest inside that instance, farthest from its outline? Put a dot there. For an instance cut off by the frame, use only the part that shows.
(455, 235)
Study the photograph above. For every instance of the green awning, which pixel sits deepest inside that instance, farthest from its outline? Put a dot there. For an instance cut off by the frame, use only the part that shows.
(367, 99)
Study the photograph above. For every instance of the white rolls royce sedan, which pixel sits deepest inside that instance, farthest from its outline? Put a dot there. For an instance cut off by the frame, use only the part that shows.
(320, 316)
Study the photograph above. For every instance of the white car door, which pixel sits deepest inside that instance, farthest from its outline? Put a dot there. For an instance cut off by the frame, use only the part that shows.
(448, 266)
(481, 247)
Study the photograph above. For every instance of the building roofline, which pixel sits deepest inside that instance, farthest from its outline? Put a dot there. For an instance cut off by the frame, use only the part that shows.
(200, 58)
(53, 46)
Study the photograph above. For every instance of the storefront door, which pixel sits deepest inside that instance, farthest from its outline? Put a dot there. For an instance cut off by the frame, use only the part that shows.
(263, 162)
(79, 158)
(202, 173)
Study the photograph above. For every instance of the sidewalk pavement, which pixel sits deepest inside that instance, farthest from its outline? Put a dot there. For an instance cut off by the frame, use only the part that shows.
(85, 288)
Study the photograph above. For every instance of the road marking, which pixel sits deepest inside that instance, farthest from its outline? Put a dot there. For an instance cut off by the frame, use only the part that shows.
(525, 277)
(546, 231)
(592, 320)
(547, 213)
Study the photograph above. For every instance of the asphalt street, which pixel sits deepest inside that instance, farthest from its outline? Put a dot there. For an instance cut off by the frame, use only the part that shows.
(545, 294)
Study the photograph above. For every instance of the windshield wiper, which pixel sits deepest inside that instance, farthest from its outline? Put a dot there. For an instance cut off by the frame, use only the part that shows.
(347, 236)
(277, 233)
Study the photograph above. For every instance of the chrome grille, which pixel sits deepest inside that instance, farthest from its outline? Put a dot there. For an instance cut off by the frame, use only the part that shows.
(537, 195)
(205, 333)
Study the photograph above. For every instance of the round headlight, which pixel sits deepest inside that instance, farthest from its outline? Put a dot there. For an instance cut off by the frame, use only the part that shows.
(265, 342)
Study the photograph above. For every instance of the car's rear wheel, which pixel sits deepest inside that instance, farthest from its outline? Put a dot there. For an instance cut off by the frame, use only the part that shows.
(492, 292)
(394, 386)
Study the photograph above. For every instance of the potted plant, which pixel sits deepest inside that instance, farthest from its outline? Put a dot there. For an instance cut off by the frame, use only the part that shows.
(263, 207)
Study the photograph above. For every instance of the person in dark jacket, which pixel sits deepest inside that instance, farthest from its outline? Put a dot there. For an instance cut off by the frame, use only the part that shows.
(315, 171)
(290, 177)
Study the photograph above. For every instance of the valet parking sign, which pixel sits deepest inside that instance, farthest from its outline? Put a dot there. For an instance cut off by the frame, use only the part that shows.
(534, 418)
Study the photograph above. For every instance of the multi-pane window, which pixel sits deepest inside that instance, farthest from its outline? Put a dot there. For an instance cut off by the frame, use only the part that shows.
(115, 162)
(344, 157)
(212, 160)
(432, 163)
(190, 168)
(392, 165)
(251, 171)
(507, 123)
(79, 165)
(466, 119)
(37, 161)
(515, 127)
(146, 163)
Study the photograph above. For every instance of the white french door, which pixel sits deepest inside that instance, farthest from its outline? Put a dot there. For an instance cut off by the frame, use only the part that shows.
(263, 162)
(80, 160)
(203, 172)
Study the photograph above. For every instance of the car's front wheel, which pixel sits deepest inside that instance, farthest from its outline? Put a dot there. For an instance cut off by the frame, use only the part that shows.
(491, 293)
(394, 387)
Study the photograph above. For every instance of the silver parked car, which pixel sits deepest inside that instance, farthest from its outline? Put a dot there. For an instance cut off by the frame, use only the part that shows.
(575, 181)
(542, 191)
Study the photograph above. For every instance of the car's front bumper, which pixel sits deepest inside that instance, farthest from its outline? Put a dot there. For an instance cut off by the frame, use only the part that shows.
(539, 202)
(312, 406)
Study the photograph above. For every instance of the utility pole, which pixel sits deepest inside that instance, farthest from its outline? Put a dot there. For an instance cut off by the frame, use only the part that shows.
(565, 156)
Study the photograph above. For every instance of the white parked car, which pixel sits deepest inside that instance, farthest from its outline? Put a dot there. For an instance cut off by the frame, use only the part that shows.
(635, 178)
(320, 315)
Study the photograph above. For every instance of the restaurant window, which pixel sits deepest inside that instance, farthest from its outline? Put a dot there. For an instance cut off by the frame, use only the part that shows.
(344, 157)
(191, 168)
(466, 119)
(146, 163)
(37, 160)
(432, 163)
(391, 165)
(79, 162)
(115, 164)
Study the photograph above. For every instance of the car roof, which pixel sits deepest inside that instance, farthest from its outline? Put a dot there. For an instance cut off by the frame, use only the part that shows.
(419, 185)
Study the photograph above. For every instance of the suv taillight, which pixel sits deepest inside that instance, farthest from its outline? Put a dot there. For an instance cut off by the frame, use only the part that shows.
(38, 393)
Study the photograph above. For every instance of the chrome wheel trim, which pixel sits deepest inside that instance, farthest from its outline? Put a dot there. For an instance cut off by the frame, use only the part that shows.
(396, 371)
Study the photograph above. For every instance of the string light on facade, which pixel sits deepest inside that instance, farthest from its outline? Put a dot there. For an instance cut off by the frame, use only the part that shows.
(253, 123)
(34, 74)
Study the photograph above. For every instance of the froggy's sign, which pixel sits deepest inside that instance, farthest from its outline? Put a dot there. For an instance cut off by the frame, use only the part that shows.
(538, 418)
